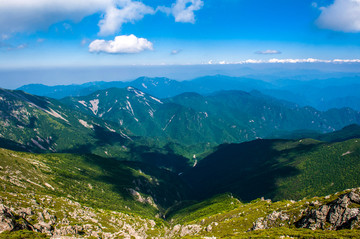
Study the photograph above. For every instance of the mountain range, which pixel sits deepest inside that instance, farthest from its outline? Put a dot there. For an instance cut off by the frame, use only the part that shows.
(103, 161)
(322, 93)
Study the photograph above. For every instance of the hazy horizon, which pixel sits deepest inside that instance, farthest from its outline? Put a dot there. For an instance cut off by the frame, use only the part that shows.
(15, 78)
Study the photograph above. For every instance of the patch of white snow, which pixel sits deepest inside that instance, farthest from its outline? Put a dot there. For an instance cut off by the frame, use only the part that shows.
(85, 124)
(37, 144)
(55, 114)
(156, 99)
(94, 106)
(110, 129)
(83, 103)
(128, 106)
(168, 123)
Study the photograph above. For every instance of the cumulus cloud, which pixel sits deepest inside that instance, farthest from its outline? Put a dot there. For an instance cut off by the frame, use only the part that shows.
(129, 12)
(121, 45)
(342, 15)
(25, 15)
(183, 10)
(268, 52)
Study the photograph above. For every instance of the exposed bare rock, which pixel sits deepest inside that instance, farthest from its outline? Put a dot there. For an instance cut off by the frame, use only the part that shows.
(342, 213)
(271, 220)
(137, 196)
(7, 219)
(10, 222)
(184, 230)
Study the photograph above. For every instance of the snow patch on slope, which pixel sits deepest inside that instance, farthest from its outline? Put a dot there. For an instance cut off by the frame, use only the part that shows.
(85, 124)
(94, 106)
(37, 144)
(159, 101)
(82, 102)
(139, 93)
(55, 114)
(110, 129)
(129, 108)
(168, 123)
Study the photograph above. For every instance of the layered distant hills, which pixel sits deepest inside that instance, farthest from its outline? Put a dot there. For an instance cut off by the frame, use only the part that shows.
(322, 94)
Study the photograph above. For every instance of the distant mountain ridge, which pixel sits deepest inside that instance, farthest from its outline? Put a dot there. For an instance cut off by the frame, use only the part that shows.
(322, 94)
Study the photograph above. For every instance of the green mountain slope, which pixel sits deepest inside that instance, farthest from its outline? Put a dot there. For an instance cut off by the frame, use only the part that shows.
(226, 217)
(278, 169)
(39, 124)
(256, 115)
(193, 119)
(92, 180)
(42, 124)
(145, 115)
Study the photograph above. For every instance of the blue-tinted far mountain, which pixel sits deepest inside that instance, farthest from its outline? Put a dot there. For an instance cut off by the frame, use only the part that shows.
(321, 94)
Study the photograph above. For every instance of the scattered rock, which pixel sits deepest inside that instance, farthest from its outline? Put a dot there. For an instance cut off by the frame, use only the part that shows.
(272, 220)
(335, 215)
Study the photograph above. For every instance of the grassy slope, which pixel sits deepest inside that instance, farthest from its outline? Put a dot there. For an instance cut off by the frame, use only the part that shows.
(230, 218)
(101, 184)
(90, 180)
(278, 169)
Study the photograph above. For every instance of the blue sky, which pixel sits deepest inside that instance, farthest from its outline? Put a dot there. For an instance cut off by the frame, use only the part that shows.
(43, 33)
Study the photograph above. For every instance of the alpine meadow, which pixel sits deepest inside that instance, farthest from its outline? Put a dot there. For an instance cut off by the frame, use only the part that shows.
(179, 119)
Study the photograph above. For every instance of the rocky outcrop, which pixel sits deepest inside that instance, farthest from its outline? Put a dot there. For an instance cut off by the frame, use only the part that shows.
(73, 219)
(10, 222)
(342, 213)
(272, 220)
(184, 230)
(146, 200)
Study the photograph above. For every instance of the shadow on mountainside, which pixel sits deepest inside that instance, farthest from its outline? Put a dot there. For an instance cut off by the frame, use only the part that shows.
(248, 170)
(163, 186)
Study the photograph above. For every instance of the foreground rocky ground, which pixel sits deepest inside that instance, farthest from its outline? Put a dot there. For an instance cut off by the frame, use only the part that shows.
(332, 216)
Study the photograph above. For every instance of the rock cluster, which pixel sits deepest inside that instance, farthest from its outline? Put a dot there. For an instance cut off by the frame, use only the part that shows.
(73, 219)
(271, 220)
(342, 213)
(9, 222)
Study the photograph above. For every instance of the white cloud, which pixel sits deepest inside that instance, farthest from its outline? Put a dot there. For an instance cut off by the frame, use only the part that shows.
(129, 12)
(175, 52)
(121, 44)
(287, 61)
(342, 15)
(21, 46)
(183, 10)
(5, 36)
(26, 15)
(268, 52)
